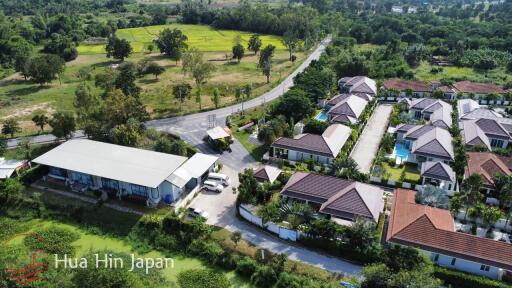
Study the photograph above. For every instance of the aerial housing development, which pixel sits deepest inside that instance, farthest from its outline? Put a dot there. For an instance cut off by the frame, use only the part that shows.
(262, 144)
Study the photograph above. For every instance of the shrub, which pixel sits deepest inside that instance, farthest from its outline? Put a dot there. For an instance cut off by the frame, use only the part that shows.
(33, 174)
(264, 277)
(53, 240)
(246, 266)
(461, 279)
(197, 278)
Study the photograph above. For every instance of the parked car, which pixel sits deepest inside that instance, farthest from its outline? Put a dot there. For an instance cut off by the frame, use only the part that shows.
(194, 213)
(219, 178)
(213, 186)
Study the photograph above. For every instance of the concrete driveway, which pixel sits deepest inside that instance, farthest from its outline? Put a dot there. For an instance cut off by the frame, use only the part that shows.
(222, 213)
(367, 146)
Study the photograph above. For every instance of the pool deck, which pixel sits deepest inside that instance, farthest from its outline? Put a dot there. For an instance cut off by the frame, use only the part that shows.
(367, 146)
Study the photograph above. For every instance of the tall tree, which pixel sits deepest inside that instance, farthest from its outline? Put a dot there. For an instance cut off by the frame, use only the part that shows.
(118, 48)
(125, 80)
(155, 69)
(291, 41)
(254, 44)
(470, 189)
(86, 102)
(63, 124)
(265, 61)
(45, 68)
(11, 127)
(238, 52)
(40, 120)
(172, 43)
(200, 70)
(181, 91)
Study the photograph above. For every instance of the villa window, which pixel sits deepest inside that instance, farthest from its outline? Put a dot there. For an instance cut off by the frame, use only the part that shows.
(450, 186)
(485, 268)
(453, 261)
(436, 257)
(417, 114)
(496, 143)
(139, 190)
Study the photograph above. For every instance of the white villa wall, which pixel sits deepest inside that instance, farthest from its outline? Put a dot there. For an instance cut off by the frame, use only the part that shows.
(301, 156)
(465, 265)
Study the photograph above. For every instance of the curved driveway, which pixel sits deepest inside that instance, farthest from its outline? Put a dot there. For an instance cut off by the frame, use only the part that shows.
(192, 128)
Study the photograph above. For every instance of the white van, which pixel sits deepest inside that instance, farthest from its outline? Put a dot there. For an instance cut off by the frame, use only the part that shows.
(213, 186)
(219, 178)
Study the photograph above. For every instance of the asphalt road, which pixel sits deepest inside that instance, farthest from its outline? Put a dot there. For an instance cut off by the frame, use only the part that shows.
(222, 212)
(192, 128)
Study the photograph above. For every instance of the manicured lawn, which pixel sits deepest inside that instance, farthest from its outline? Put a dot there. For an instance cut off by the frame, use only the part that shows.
(203, 37)
(499, 76)
(412, 175)
(256, 151)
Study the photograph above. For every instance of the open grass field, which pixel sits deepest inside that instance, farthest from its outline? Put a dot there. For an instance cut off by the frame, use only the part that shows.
(498, 76)
(22, 99)
(203, 37)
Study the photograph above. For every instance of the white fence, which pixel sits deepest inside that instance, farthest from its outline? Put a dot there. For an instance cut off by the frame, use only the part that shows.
(282, 232)
(500, 224)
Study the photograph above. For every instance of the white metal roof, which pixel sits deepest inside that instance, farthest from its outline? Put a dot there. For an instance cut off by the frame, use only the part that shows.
(179, 178)
(198, 164)
(7, 167)
(217, 133)
(131, 165)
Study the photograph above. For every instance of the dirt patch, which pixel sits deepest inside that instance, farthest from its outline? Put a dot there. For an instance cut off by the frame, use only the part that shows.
(21, 112)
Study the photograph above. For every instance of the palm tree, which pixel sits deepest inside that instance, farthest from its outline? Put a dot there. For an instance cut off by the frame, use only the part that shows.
(503, 188)
(345, 167)
(456, 203)
(490, 215)
(470, 188)
(297, 213)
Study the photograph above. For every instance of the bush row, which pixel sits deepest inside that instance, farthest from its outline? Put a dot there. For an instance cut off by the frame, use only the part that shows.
(461, 279)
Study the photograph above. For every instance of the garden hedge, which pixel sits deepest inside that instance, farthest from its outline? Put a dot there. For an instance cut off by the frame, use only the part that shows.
(466, 280)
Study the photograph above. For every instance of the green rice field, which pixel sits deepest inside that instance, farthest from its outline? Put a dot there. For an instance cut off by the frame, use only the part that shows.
(203, 37)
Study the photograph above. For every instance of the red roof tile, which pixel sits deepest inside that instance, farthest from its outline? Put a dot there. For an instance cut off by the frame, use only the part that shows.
(478, 88)
(487, 165)
(432, 229)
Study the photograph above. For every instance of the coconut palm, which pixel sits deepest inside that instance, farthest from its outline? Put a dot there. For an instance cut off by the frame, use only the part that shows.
(470, 189)
(490, 215)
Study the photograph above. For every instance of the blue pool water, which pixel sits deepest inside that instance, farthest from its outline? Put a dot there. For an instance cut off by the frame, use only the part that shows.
(322, 116)
(401, 151)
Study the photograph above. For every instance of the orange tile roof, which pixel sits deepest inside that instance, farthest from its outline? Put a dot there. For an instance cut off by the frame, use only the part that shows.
(432, 229)
(487, 165)
(480, 88)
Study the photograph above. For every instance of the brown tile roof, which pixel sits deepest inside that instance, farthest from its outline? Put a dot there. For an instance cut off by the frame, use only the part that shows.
(328, 144)
(402, 85)
(487, 165)
(477, 88)
(507, 161)
(339, 197)
(305, 143)
(432, 229)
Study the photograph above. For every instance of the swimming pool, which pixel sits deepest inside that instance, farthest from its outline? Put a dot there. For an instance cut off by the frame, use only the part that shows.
(400, 151)
(321, 116)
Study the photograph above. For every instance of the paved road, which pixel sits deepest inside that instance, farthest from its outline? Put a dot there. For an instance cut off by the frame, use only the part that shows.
(192, 128)
(367, 146)
(222, 213)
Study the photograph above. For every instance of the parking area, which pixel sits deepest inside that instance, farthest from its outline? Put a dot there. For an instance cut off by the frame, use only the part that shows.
(219, 206)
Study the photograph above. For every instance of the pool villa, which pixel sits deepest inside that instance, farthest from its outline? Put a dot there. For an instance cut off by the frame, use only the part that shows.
(321, 116)
(400, 153)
